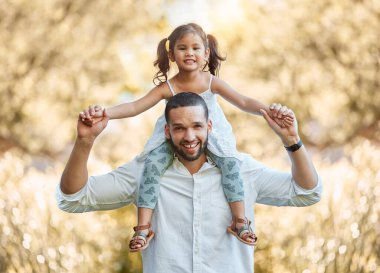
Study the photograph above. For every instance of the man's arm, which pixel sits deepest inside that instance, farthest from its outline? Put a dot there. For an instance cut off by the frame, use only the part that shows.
(75, 175)
(303, 171)
(78, 193)
(113, 190)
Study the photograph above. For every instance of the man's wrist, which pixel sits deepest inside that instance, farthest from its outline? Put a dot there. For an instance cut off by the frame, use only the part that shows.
(290, 141)
(85, 142)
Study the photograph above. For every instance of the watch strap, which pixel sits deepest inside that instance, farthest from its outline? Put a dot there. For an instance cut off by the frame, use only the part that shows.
(294, 147)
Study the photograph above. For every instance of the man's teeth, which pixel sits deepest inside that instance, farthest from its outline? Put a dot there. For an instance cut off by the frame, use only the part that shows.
(190, 145)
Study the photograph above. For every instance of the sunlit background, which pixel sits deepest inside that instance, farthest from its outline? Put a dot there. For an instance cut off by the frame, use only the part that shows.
(321, 58)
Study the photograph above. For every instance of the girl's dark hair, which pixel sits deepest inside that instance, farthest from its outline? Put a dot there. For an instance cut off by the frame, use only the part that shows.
(163, 62)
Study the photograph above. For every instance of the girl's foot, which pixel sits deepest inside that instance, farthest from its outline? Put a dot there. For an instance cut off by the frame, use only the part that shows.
(141, 238)
(241, 229)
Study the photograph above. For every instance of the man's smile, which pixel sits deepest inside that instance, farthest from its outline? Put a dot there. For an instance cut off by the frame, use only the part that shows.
(191, 147)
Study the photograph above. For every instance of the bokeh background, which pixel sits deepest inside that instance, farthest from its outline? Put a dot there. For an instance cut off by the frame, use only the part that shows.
(321, 58)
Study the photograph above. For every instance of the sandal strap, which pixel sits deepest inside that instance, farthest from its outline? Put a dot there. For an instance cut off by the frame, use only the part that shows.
(138, 239)
(138, 228)
(244, 229)
(245, 234)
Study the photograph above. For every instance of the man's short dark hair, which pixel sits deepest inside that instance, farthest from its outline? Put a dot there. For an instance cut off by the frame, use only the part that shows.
(185, 99)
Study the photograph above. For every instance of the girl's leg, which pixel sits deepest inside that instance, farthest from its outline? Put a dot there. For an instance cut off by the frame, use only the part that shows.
(156, 164)
(234, 191)
(238, 211)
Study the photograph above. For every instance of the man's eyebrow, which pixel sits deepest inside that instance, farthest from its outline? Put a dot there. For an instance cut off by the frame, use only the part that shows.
(177, 124)
(198, 123)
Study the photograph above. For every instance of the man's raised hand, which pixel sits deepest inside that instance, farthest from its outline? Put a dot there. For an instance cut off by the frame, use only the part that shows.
(288, 134)
(90, 132)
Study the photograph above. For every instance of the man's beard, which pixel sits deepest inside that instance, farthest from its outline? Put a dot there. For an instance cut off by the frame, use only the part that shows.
(177, 150)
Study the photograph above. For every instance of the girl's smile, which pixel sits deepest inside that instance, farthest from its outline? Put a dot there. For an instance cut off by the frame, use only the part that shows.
(190, 52)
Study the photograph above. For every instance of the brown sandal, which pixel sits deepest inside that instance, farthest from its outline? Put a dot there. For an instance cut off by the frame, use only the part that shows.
(243, 233)
(140, 238)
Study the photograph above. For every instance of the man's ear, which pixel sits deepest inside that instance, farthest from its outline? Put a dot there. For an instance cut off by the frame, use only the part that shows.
(167, 131)
(209, 126)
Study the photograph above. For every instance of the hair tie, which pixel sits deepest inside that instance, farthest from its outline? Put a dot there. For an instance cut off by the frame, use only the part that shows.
(167, 44)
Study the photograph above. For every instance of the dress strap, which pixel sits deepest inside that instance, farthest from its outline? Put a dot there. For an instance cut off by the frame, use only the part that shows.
(209, 84)
(171, 87)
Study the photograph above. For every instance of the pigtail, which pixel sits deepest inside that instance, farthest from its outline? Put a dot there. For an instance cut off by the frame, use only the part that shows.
(162, 62)
(215, 58)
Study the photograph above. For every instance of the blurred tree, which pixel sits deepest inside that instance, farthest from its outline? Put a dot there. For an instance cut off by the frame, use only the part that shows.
(322, 59)
(59, 56)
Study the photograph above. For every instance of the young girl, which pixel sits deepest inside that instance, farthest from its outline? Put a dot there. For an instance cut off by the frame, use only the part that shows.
(192, 51)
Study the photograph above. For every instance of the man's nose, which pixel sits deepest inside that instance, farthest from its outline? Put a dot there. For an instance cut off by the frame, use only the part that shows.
(189, 135)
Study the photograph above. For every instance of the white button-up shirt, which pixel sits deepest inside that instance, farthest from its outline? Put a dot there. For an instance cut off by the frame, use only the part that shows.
(192, 214)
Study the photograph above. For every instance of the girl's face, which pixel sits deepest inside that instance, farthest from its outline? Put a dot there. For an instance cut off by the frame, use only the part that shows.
(189, 53)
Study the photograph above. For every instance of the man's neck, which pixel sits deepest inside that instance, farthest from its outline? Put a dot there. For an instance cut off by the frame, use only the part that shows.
(193, 166)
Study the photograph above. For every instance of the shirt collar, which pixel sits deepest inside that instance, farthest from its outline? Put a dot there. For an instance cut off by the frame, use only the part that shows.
(182, 169)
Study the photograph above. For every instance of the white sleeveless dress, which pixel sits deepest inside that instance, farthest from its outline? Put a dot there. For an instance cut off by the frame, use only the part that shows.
(221, 140)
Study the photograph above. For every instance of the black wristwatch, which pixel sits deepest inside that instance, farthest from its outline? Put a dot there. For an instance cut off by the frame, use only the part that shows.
(294, 147)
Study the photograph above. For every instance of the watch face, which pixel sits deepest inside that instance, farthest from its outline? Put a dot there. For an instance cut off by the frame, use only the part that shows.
(294, 147)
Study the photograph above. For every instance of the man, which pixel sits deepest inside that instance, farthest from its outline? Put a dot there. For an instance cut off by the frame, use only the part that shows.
(192, 213)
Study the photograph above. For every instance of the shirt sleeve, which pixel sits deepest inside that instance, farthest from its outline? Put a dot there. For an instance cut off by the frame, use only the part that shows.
(278, 188)
(113, 190)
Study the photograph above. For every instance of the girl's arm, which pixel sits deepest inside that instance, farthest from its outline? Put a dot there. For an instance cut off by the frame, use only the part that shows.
(246, 104)
(130, 109)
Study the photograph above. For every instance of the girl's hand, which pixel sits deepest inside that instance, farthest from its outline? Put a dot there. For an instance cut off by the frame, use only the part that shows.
(281, 114)
(91, 115)
(288, 134)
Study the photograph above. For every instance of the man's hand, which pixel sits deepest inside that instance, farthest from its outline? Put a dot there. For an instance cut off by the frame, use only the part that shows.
(281, 114)
(89, 116)
(288, 134)
(86, 132)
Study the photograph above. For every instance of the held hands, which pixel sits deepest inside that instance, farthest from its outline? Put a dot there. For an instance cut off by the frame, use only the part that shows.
(89, 127)
(91, 115)
(289, 133)
(283, 116)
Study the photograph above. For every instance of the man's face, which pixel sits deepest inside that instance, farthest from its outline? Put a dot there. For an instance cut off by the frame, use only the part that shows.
(187, 132)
